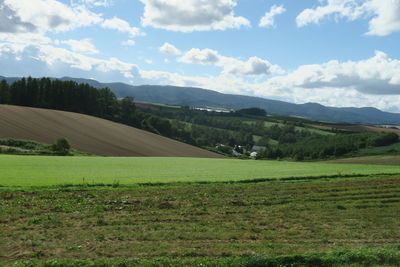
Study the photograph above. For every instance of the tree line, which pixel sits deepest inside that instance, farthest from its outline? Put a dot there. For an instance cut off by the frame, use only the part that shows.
(322, 147)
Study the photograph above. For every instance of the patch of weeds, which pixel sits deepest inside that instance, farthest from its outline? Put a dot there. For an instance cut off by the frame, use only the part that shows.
(115, 184)
(35, 220)
(101, 221)
(165, 205)
(74, 248)
(38, 254)
(6, 195)
(101, 238)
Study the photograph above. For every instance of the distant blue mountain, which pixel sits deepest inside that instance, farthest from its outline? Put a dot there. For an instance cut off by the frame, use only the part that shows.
(198, 97)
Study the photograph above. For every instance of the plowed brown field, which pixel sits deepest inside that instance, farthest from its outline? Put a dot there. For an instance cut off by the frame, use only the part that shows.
(90, 134)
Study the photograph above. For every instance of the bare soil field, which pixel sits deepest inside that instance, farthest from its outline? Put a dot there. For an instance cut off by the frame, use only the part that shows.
(90, 134)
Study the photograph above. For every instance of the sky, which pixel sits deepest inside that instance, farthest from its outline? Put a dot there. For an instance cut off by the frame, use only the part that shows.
(338, 53)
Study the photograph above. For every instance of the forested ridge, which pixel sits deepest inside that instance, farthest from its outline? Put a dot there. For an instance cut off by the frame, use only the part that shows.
(233, 133)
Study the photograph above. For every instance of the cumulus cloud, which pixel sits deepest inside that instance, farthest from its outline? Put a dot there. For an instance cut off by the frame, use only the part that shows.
(43, 15)
(268, 20)
(384, 15)
(169, 49)
(55, 58)
(387, 17)
(201, 56)
(85, 46)
(11, 23)
(254, 66)
(120, 25)
(378, 75)
(191, 15)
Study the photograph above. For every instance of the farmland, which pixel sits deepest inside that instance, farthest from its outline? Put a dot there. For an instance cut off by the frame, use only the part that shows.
(90, 134)
(88, 211)
(206, 223)
(49, 170)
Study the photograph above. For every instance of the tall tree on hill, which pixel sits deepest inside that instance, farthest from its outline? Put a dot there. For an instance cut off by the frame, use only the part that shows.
(4, 92)
(127, 111)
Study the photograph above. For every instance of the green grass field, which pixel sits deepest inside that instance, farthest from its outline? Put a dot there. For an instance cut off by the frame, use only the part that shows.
(206, 223)
(48, 171)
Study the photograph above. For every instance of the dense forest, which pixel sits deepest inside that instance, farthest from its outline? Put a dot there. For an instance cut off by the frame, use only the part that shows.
(232, 133)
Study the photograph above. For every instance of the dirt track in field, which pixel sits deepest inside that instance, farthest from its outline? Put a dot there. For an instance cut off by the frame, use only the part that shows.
(90, 134)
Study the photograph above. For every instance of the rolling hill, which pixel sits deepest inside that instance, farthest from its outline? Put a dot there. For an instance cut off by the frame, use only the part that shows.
(198, 97)
(90, 134)
(190, 96)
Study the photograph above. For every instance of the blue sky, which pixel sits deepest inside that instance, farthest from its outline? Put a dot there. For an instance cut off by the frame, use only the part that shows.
(334, 52)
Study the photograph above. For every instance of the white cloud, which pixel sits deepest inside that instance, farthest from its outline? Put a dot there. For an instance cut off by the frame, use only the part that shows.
(377, 75)
(128, 43)
(59, 59)
(43, 15)
(85, 46)
(24, 38)
(254, 66)
(169, 49)
(387, 17)
(120, 25)
(268, 20)
(191, 15)
(96, 3)
(384, 15)
(201, 56)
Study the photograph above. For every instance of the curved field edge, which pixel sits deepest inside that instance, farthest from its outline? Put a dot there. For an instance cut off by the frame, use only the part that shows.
(49, 171)
(354, 258)
(90, 134)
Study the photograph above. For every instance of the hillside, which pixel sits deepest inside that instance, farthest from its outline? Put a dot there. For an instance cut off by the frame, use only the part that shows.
(354, 128)
(190, 96)
(90, 134)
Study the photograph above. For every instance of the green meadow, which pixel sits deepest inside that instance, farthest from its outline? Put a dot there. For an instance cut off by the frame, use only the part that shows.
(50, 170)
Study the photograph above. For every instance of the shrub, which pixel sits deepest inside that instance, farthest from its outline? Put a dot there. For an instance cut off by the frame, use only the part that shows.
(61, 146)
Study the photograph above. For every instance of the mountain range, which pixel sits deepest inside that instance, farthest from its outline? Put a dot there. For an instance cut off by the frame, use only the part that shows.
(198, 97)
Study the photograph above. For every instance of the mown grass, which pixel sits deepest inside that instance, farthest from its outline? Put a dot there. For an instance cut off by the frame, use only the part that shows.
(204, 221)
(47, 171)
(339, 258)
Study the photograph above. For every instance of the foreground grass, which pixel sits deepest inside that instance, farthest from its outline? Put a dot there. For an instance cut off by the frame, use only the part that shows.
(204, 221)
(48, 171)
(340, 258)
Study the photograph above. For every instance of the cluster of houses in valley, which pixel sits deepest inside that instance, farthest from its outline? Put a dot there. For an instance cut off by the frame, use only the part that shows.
(241, 150)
